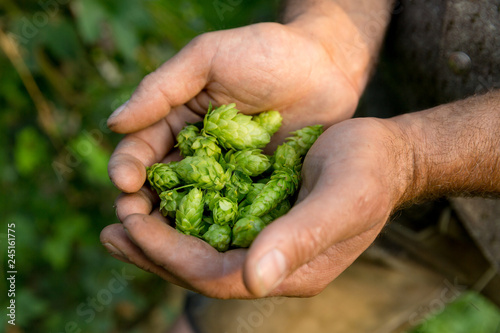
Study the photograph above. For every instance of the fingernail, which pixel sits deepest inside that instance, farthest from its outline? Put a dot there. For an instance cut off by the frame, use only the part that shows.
(271, 270)
(113, 250)
(118, 111)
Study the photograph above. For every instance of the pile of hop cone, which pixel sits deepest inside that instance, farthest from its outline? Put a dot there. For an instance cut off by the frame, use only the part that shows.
(226, 190)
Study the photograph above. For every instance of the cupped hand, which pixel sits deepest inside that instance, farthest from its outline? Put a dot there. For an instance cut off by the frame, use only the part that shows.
(354, 176)
(259, 67)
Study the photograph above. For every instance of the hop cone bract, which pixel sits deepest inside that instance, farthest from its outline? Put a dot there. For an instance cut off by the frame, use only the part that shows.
(235, 130)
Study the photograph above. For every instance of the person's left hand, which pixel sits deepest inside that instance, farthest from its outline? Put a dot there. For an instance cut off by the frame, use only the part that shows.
(353, 178)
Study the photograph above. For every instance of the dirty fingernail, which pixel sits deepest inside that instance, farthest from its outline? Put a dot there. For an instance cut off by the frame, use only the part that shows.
(271, 270)
(118, 111)
(113, 250)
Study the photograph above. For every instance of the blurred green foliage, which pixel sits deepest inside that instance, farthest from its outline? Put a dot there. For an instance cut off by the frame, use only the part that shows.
(86, 57)
(469, 313)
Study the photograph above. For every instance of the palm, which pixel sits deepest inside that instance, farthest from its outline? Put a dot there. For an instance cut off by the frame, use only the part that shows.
(346, 197)
(270, 66)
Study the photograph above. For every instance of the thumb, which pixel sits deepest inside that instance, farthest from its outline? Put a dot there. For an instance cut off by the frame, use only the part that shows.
(174, 83)
(323, 219)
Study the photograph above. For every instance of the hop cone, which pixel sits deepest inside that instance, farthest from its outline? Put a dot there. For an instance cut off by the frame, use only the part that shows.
(238, 186)
(286, 156)
(252, 194)
(206, 146)
(250, 161)
(203, 172)
(162, 176)
(280, 210)
(224, 211)
(211, 197)
(219, 236)
(269, 120)
(304, 138)
(235, 130)
(246, 230)
(185, 139)
(170, 201)
(283, 183)
(188, 218)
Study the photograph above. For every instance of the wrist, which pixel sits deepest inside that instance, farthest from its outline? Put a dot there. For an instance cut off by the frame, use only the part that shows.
(351, 36)
(454, 149)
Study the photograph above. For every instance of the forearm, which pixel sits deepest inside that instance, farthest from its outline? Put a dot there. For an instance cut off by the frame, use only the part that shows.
(456, 148)
(352, 31)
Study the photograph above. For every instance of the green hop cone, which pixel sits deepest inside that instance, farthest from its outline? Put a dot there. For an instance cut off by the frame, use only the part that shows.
(203, 172)
(206, 146)
(170, 201)
(304, 138)
(269, 120)
(162, 177)
(224, 211)
(283, 183)
(219, 236)
(189, 215)
(185, 139)
(249, 161)
(211, 197)
(282, 208)
(246, 230)
(252, 194)
(238, 186)
(286, 156)
(235, 130)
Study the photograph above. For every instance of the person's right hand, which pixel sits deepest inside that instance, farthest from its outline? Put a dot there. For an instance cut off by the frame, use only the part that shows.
(259, 67)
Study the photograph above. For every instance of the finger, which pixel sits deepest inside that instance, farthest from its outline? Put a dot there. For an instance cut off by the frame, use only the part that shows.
(115, 239)
(333, 212)
(127, 164)
(140, 202)
(189, 258)
(176, 82)
(310, 279)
